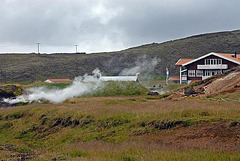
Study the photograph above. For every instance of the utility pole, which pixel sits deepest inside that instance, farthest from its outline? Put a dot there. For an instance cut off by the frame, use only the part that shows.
(38, 44)
(76, 48)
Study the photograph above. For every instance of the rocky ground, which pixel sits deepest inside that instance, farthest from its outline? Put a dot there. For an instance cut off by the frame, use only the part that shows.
(228, 82)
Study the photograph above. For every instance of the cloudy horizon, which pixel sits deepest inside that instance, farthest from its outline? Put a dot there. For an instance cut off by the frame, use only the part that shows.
(108, 25)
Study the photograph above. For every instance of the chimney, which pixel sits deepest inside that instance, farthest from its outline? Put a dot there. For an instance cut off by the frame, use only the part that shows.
(234, 55)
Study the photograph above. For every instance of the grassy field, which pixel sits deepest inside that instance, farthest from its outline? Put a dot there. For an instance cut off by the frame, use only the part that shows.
(123, 128)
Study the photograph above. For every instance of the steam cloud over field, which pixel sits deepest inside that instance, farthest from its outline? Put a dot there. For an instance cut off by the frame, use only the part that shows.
(142, 64)
(81, 85)
(87, 84)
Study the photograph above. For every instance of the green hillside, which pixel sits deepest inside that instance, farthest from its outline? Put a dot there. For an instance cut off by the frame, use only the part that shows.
(32, 67)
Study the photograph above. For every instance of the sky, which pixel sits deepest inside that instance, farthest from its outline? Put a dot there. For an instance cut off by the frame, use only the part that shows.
(108, 25)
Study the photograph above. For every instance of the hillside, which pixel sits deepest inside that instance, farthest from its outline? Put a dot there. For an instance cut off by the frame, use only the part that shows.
(31, 67)
(218, 85)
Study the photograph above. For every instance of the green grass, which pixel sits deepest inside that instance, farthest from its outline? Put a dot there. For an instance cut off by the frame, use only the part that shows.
(110, 88)
(111, 128)
(113, 88)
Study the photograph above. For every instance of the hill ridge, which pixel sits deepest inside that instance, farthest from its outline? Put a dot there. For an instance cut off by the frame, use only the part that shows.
(32, 67)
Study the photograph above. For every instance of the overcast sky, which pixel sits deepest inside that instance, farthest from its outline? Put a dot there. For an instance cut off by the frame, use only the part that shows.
(108, 25)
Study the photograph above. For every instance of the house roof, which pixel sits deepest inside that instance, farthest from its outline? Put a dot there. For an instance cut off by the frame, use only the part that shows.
(229, 56)
(221, 55)
(59, 80)
(183, 61)
(174, 78)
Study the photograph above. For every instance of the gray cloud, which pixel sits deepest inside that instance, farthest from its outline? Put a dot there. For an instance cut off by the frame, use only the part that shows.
(106, 25)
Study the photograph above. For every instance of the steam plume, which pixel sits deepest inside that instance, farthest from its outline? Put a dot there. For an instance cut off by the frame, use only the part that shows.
(81, 85)
(142, 64)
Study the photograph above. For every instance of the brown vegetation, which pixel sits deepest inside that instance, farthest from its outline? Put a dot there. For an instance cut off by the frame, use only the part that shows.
(121, 128)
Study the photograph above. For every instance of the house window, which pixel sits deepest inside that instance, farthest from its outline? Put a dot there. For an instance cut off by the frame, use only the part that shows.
(219, 71)
(208, 73)
(191, 73)
(213, 61)
(199, 73)
(184, 74)
(207, 61)
(219, 61)
(214, 72)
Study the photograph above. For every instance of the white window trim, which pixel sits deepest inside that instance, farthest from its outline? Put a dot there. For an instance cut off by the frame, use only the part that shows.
(208, 73)
(199, 73)
(191, 73)
(213, 61)
(219, 61)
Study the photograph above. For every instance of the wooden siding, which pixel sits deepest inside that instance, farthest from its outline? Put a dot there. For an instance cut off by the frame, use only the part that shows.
(193, 66)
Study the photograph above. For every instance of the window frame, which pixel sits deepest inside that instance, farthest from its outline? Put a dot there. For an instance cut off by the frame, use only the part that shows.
(213, 61)
(219, 61)
(199, 73)
(191, 73)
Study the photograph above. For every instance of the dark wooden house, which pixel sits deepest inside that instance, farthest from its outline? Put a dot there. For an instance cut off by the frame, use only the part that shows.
(206, 66)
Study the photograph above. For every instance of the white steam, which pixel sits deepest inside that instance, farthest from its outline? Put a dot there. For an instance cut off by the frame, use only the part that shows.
(143, 64)
(81, 85)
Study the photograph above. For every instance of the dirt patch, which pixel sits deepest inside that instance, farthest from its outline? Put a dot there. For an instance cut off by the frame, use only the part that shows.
(13, 153)
(228, 82)
(220, 136)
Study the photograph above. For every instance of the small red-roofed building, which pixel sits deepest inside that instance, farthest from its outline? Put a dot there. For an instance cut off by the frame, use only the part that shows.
(57, 80)
(206, 66)
(174, 79)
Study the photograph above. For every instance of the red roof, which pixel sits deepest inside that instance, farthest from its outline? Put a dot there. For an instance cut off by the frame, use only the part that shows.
(174, 79)
(183, 61)
(59, 80)
(229, 56)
